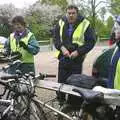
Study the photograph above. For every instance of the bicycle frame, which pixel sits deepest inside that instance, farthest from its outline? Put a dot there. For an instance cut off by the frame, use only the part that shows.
(111, 96)
(49, 85)
(10, 104)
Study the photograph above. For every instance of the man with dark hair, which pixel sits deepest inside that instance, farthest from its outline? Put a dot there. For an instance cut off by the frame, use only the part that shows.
(22, 41)
(74, 38)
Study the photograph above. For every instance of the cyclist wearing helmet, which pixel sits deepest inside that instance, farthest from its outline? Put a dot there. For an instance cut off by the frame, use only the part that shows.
(114, 29)
(114, 69)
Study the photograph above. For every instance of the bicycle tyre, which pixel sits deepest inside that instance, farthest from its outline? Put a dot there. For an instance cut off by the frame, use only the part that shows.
(73, 112)
(35, 112)
(28, 111)
(70, 111)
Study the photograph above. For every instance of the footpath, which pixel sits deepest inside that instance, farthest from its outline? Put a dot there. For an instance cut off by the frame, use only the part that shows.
(46, 62)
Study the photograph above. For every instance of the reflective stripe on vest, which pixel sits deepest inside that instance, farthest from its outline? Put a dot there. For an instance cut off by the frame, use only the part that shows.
(111, 63)
(116, 48)
(26, 56)
(117, 76)
(61, 24)
(78, 35)
(117, 71)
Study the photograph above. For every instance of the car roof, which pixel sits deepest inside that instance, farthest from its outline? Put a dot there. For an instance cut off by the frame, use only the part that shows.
(3, 39)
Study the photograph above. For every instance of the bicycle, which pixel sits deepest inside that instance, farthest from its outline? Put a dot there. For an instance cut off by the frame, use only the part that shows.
(97, 103)
(46, 85)
(22, 100)
(21, 93)
(53, 86)
(29, 107)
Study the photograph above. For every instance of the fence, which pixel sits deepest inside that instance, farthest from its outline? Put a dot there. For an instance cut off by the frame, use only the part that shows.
(46, 45)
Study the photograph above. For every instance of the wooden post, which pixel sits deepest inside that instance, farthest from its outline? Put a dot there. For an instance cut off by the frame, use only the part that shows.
(51, 44)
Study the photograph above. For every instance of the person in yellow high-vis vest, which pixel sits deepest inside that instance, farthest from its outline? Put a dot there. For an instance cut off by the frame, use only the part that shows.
(22, 41)
(74, 38)
(114, 68)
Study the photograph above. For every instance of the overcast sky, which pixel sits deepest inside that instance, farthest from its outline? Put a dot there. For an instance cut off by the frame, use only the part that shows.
(18, 3)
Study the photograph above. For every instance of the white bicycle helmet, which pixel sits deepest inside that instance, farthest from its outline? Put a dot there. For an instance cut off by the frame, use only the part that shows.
(118, 19)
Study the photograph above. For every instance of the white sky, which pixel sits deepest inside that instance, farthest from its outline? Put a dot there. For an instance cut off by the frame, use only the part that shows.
(18, 3)
(25, 3)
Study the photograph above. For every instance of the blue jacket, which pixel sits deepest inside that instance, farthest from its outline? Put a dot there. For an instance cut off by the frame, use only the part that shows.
(112, 69)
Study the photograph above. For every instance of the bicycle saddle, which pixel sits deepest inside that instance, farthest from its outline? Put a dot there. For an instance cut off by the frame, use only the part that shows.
(90, 95)
(107, 91)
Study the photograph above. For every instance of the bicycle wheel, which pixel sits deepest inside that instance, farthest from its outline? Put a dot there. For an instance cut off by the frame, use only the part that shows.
(28, 109)
(74, 112)
(34, 112)
(70, 111)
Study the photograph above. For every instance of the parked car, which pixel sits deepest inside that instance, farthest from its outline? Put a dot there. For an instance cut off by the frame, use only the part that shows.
(2, 43)
(2, 49)
(101, 64)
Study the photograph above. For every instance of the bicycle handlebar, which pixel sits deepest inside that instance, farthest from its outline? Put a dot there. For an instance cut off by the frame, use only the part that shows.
(9, 77)
(48, 75)
(22, 89)
(42, 76)
(16, 76)
(11, 57)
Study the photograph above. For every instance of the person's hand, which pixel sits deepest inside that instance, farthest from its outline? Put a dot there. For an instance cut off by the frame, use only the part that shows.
(74, 54)
(22, 44)
(65, 52)
(15, 55)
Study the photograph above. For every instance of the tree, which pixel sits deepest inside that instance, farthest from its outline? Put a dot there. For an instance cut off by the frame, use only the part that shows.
(109, 24)
(5, 27)
(114, 6)
(61, 3)
(103, 13)
(41, 18)
(7, 12)
(91, 8)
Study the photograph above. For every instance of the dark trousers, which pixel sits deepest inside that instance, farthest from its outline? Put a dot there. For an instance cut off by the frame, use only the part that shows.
(24, 68)
(65, 70)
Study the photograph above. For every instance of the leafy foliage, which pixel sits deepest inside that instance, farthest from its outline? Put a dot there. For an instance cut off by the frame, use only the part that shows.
(115, 7)
(40, 18)
(61, 3)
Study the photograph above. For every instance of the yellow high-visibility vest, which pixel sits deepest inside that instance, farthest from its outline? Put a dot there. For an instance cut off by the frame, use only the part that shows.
(78, 35)
(117, 72)
(117, 76)
(26, 56)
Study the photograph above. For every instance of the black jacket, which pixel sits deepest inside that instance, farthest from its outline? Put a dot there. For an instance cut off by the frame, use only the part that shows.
(89, 37)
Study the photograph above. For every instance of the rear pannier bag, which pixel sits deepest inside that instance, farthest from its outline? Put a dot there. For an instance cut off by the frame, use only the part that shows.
(80, 80)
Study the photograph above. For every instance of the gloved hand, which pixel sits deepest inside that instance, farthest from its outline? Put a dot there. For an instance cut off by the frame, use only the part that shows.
(22, 44)
(15, 55)
(65, 52)
(74, 54)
